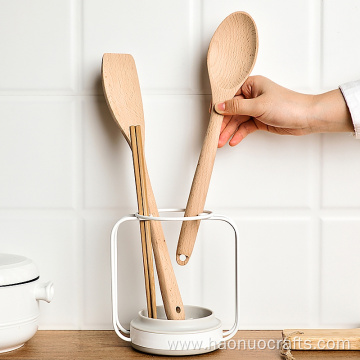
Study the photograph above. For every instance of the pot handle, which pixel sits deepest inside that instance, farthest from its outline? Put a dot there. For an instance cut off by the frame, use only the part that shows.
(44, 291)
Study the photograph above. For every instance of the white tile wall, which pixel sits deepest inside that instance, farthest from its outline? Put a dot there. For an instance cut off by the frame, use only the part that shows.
(37, 51)
(37, 148)
(275, 256)
(274, 265)
(246, 177)
(106, 158)
(67, 172)
(340, 166)
(340, 52)
(51, 240)
(340, 290)
(282, 25)
(174, 143)
(97, 309)
(157, 25)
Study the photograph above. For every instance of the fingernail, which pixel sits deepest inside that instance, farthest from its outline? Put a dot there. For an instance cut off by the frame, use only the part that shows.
(220, 107)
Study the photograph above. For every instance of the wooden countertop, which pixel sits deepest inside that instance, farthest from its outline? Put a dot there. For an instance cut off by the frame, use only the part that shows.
(87, 345)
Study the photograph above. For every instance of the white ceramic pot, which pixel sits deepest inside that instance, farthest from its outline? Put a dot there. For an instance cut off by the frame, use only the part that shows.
(20, 292)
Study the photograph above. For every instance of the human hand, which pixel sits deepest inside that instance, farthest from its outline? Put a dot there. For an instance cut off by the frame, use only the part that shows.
(261, 104)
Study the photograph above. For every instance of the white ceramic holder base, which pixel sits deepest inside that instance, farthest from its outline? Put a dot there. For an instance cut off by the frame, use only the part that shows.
(199, 333)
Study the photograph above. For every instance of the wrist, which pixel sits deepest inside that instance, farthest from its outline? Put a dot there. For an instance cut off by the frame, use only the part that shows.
(329, 113)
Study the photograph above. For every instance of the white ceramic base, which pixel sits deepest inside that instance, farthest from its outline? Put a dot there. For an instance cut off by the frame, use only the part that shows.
(199, 333)
(172, 352)
(11, 349)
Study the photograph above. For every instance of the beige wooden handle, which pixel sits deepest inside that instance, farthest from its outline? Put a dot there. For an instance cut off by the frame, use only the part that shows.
(170, 293)
(199, 189)
(141, 193)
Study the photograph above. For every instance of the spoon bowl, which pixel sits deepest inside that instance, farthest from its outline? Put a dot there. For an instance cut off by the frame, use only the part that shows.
(232, 52)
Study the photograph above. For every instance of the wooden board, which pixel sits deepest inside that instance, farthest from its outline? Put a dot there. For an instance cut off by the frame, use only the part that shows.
(323, 339)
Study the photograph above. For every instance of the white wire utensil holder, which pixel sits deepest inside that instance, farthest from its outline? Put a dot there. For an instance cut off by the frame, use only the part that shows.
(206, 216)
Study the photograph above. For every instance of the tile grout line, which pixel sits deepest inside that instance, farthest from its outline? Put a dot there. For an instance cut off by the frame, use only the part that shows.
(244, 212)
(191, 40)
(200, 19)
(78, 193)
(315, 246)
(314, 274)
(319, 225)
(74, 46)
(315, 42)
(320, 171)
(78, 155)
(321, 46)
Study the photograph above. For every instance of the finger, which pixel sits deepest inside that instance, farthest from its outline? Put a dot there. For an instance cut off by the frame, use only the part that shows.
(230, 129)
(227, 132)
(222, 139)
(254, 86)
(240, 96)
(240, 106)
(239, 92)
(226, 120)
(244, 130)
(233, 125)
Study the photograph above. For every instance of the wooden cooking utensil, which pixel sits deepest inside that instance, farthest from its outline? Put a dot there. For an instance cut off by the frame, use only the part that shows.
(141, 193)
(123, 96)
(231, 57)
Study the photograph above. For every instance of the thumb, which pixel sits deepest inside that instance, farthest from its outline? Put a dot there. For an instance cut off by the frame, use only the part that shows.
(239, 106)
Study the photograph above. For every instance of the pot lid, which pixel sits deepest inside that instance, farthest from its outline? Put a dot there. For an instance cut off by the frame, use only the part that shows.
(16, 269)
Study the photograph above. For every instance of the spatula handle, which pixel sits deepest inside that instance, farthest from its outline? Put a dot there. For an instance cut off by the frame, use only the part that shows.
(143, 233)
(199, 189)
(141, 193)
(170, 293)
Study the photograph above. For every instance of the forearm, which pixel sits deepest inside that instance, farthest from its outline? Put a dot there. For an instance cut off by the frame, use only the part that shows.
(330, 113)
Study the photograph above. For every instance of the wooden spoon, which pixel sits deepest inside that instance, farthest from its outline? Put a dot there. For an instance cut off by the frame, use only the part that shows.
(231, 57)
(123, 96)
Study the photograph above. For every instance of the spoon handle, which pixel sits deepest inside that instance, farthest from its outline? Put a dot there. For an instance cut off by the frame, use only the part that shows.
(170, 293)
(199, 189)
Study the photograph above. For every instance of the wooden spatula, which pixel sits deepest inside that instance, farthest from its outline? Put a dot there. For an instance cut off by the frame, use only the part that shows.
(123, 96)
